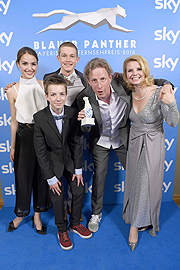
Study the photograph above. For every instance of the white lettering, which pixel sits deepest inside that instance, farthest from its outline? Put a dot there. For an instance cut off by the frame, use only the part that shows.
(163, 35)
(5, 120)
(162, 62)
(7, 168)
(6, 39)
(110, 44)
(119, 187)
(169, 144)
(168, 165)
(166, 186)
(5, 6)
(10, 190)
(171, 4)
(3, 95)
(6, 63)
(85, 144)
(118, 166)
(95, 44)
(5, 147)
(88, 189)
(87, 167)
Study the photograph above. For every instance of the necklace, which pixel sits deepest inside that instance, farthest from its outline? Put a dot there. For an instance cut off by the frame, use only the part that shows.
(142, 97)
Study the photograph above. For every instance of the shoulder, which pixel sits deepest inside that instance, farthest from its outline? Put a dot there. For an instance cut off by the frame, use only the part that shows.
(40, 83)
(41, 113)
(85, 92)
(70, 110)
(81, 76)
(12, 92)
(118, 88)
(79, 73)
(54, 72)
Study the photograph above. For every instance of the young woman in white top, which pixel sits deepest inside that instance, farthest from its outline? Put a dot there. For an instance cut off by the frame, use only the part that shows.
(27, 97)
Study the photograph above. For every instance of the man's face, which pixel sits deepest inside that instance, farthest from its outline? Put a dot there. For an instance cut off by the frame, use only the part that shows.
(56, 97)
(100, 81)
(68, 60)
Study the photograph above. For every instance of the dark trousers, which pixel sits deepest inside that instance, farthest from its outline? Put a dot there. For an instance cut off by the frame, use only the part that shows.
(28, 177)
(76, 206)
(100, 159)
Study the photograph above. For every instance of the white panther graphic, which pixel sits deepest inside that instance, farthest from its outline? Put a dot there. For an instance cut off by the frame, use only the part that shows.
(92, 19)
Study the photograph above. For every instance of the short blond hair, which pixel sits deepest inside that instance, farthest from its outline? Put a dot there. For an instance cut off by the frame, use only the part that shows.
(148, 81)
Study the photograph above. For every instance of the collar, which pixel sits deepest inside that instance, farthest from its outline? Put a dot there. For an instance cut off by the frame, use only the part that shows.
(27, 81)
(54, 114)
(71, 77)
(112, 92)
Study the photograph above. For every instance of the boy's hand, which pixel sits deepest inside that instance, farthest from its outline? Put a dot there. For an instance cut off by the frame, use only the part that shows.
(79, 179)
(55, 188)
(9, 86)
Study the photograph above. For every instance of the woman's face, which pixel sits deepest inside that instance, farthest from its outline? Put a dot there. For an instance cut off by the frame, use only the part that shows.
(134, 73)
(28, 65)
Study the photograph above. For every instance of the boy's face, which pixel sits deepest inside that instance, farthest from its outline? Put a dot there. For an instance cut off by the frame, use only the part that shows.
(68, 60)
(56, 97)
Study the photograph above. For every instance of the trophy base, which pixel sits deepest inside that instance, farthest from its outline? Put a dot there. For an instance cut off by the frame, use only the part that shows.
(87, 122)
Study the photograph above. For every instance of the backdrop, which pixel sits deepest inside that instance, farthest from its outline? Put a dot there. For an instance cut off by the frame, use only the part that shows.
(99, 29)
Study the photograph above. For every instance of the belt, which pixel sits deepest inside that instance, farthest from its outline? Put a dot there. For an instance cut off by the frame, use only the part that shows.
(26, 125)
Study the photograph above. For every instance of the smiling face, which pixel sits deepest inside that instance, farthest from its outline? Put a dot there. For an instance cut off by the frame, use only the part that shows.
(56, 97)
(28, 65)
(68, 59)
(134, 73)
(100, 81)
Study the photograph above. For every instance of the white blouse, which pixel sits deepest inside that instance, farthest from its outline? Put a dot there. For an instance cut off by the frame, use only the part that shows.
(30, 99)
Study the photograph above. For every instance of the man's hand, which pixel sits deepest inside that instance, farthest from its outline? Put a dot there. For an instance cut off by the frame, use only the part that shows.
(55, 188)
(81, 115)
(79, 179)
(9, 86)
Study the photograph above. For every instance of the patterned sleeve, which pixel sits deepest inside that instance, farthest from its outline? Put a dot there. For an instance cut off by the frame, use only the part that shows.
(170, 113)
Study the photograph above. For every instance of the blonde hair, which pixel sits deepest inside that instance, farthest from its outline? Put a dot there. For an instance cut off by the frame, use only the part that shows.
(148, 81)
(97, 63)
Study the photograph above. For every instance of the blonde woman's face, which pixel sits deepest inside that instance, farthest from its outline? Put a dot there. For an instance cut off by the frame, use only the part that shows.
(134, 73)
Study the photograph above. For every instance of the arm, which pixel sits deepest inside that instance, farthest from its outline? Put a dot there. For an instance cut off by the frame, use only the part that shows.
(163, 82)
(74, 141)
(11, 95)
(169, 107)
(41, 150)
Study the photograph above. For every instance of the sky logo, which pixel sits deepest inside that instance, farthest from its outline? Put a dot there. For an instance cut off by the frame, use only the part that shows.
(7, 168)
(170, 4)
(4, 121)
(168, 144)
(5, 38)
(5, 147)
(4, 7)
(162, 62)
(166, 35)
(3, 95)
(10, 190)
(6, 66)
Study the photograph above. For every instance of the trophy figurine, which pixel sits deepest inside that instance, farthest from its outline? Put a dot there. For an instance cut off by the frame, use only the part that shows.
(88, 120)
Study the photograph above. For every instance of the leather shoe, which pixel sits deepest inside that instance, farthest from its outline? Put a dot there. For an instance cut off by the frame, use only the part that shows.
(43, 229)
(133, 245)
(11, 227)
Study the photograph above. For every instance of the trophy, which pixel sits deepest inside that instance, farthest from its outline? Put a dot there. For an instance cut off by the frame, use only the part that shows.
(88, 120)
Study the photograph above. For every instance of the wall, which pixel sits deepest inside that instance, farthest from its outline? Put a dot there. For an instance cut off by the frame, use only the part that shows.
(155, 35)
